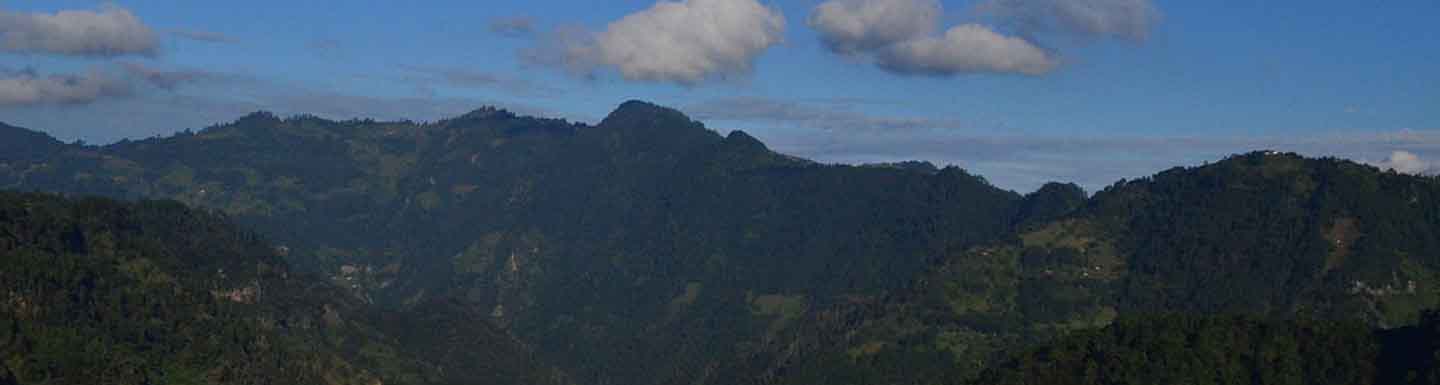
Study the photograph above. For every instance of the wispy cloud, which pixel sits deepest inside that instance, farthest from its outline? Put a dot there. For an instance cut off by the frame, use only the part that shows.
(429, 77)
(516, 26)
(841, 116)
(204, 36)
(170, 79)
(105, 32)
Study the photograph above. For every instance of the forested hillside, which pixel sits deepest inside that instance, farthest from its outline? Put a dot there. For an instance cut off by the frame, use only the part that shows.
(1263, 234)
(100, 292)
(649, 249)
(606, 246)
(1175, 349)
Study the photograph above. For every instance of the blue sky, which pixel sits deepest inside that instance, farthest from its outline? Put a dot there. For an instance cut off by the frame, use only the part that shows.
(1194, 82)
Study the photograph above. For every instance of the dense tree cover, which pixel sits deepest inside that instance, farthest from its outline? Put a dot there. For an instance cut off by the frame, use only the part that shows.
(1228, 349)
(99, 292)
(1275, 233)
(1201, 350)
(1050, 202)
(646, 235)
(1264, 234)
(649, 249)
(1411, 354)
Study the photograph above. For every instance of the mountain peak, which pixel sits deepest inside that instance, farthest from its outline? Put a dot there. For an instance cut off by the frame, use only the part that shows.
(635, 111)
(740, 139)
(652, 126)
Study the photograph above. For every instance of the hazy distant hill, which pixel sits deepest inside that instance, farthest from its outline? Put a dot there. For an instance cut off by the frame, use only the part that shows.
(649, 249)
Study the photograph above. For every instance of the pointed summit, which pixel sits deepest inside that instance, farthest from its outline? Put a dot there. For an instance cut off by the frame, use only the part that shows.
(636, 111)
(741, 140)
(647, 125)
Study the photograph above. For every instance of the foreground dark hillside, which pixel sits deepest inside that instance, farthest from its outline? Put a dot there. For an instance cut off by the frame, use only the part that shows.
(100, 292)
(1175, 349)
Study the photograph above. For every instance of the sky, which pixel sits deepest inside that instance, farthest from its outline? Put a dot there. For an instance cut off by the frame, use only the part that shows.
(1019, 91)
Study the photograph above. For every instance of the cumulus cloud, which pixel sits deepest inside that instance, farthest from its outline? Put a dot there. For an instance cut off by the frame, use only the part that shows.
(852, 27)
(1120, 19)
(968, 48)
(685, 42)
(900, 36)
(28, 88)
(107, 32)
(1405, 162)
(519, 26)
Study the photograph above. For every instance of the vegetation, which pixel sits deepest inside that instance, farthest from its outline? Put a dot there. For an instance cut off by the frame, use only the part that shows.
(576, 238)
(100, 292)
(1176, 349)
(648, 249)
(1264, 234)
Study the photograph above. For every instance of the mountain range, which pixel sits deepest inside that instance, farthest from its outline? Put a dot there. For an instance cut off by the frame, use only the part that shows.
(649, 249)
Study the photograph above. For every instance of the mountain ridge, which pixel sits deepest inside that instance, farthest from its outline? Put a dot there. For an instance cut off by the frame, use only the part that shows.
(649, 235)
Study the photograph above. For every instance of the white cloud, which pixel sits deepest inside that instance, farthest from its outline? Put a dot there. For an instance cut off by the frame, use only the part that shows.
(968, 48)
(26, 88)
(685, 42)
(851, 27)
(900, 36)
(1404, 162)
(107, 32)
(1120, 19)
